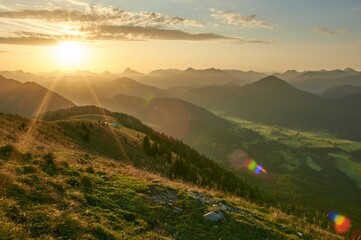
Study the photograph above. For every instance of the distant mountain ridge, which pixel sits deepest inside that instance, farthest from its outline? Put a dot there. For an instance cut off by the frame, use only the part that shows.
(341, 91)
(130, 73)
(189, 77)
(87, 90)
(29, 98)
(320, 81)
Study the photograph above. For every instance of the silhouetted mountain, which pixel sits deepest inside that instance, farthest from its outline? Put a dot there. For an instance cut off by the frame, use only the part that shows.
(129, 73)
(273, 101)
(189, 77)
(341, 91)
(28, 98)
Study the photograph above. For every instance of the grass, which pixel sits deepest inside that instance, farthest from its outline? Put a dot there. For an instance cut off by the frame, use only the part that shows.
(63, 190)
(121, 202)
(349, 167)
(297, 138)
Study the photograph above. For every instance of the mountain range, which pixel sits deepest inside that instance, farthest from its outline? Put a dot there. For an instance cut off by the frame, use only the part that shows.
(29, 98)
(273, 101)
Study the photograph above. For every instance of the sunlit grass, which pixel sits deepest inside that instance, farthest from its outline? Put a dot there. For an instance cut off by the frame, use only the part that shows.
(298, 138)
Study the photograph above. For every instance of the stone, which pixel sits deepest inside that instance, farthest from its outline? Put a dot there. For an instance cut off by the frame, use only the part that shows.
(214, 216)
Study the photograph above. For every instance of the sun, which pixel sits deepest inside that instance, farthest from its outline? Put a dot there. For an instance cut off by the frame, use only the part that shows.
(70, 54)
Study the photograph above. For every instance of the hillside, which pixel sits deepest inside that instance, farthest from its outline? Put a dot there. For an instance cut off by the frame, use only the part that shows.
(341, 91)
(172, 116)
(29, 98)
(273, 101)
(56, 187)
(353, 100)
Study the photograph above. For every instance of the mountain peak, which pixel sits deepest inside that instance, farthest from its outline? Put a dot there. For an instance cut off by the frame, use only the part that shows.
(271, 82)
(350, 70)
(291, 72)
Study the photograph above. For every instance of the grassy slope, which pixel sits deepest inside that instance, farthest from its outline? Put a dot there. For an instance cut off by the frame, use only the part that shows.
(78, 194)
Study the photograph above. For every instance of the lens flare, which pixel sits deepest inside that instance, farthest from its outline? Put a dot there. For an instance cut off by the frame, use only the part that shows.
(342, 223)
(254, 167)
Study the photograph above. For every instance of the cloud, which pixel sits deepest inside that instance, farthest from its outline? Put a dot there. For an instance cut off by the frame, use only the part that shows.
(28, 41)
(46, 26)
(134, 33)
(356, 8)
(240, 20)
(99, 14)
(323, 30)
(328, 31)
(77, 2)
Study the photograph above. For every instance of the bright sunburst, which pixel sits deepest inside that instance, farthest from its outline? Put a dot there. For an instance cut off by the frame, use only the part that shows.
(70, 54)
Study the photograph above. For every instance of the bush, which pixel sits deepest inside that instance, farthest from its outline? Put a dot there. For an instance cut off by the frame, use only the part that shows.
(6, 151)
(49, 166)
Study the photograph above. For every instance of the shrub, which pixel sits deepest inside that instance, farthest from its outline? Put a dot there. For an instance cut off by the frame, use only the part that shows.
(49, 166)
(6, 151)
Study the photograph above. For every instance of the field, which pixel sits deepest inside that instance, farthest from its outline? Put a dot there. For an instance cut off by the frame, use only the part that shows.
(297, 138)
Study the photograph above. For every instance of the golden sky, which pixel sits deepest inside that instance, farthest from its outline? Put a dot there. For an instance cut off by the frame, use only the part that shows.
(145, 35)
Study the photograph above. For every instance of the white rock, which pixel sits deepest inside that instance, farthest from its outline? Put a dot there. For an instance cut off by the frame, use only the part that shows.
(214, 216)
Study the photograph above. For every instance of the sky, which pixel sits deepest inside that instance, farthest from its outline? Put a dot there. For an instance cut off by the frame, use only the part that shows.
(105, 35)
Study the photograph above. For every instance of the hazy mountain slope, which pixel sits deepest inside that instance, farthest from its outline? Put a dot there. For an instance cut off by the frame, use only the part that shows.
(353, 100)
(22, 76)
(189, 77)
(87, 90)
(29, 98)
(317, 84)
(129, 73)
(246, 77)
(172, 116)
(60, 190)
(323, 74)
(289, 75)
(341, 91)
(273, 101)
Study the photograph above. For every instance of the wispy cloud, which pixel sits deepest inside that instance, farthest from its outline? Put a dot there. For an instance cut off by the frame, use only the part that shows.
(108, 32)
(324, 30)
(99, 14)
(100, 23)
(241, 20)
(356, 8)
(28, 41)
